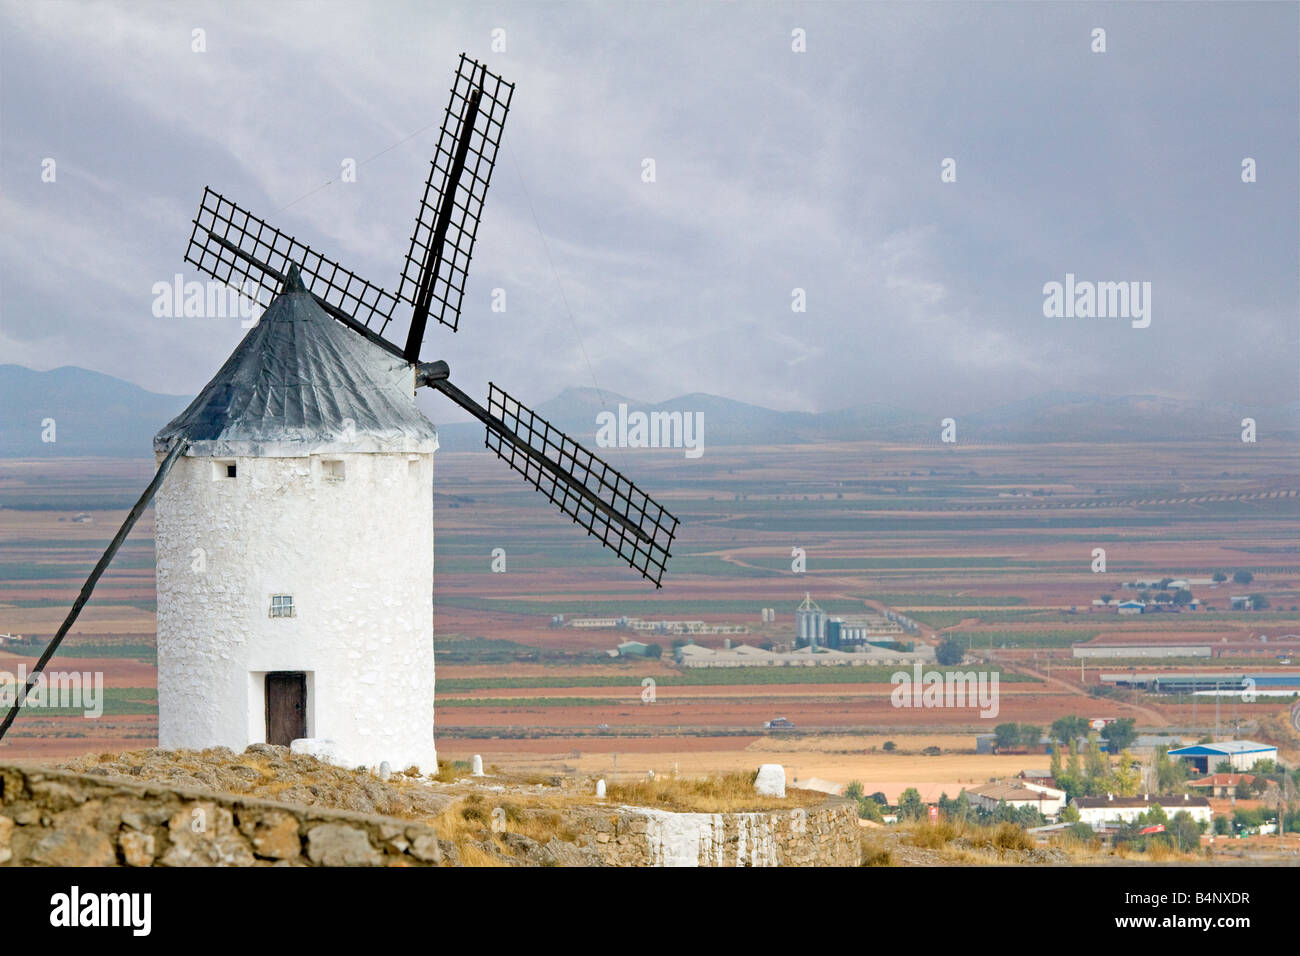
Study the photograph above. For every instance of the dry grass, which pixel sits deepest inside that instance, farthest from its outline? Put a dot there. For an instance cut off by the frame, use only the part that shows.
(724, 793)
(875, 851)
(996, 837)
(1156, 852)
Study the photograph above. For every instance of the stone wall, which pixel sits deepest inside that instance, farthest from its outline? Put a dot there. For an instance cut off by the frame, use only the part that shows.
(57, 818)
(636, 836)
(60, 818)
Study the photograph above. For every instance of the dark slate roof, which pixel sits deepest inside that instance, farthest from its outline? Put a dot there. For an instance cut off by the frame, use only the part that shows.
(301, 383)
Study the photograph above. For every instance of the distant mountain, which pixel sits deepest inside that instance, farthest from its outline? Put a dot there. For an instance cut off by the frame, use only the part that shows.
(726, 421)
(100, 415)
(1051, 417)
(93, 414)
(1074, 416)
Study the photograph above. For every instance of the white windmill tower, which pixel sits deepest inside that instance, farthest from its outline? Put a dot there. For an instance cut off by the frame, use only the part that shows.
(294, 522)
(294, 541)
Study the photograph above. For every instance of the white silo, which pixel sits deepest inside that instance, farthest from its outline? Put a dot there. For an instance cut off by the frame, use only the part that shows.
(810, 622)
(295, 550)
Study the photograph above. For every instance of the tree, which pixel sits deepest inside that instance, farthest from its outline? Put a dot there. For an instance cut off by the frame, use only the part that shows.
(949, 652)
(910, 804)
(854, 790)
(1006, 735)
(1126, 777)
(654, 650)
(1120, 734)
(1070, 814)
(1105, 598)
(1184, 831)
(1066, 729)
(889, 746)
(1155, 814)
(1219, 577)
(1171, 775)
(1242, 577)
(1182, 596)
(1096, 766)
(1258, 602)
(1030, 735)
(869, 809)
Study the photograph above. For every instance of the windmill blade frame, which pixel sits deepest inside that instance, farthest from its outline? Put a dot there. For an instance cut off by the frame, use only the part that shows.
(233, 246)
(446, 225)
(593, 493)
(589, 490)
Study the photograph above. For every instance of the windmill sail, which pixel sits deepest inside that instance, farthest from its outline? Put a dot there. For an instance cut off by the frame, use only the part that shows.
(596, 496)
(235, 247)
(433, 279)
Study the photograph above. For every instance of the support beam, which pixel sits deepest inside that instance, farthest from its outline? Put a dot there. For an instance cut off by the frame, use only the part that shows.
(177, 450)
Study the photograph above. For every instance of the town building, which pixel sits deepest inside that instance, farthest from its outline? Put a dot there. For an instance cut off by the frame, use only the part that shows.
(1018, 793)
(1113, 809)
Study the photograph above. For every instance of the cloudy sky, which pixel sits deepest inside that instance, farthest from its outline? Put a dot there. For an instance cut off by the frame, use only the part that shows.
(775, 170)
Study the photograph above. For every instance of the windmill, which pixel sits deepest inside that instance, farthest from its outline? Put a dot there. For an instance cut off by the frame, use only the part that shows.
(362, 348)
(233, 246)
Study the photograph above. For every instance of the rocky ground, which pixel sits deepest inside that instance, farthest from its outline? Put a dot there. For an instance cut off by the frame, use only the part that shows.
(274, 773)
(497, 819)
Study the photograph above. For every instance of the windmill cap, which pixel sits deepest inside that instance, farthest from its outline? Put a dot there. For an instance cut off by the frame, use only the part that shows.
(293, 280)
(301, 383)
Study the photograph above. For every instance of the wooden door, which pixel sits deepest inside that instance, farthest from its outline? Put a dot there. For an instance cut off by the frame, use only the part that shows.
(286, 707)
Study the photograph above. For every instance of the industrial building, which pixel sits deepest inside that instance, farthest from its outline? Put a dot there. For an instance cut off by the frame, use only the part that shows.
(742, 655)
(1240, 755)
(810, 622)
(1129, 649)
(1209, 683)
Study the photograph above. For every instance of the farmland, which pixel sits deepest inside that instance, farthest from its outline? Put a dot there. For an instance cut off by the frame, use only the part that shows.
(991, 546)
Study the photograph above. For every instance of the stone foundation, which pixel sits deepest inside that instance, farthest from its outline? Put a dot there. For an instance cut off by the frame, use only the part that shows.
(826, 835)
(56, 818)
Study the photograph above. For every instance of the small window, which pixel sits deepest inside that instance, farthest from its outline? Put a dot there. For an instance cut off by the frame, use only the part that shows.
(223, 469)
(282, 605)
(332, 470)
(413, 468)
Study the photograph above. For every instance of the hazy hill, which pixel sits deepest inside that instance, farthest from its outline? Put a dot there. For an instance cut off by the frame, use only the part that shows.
(94, 414)
(98, 414)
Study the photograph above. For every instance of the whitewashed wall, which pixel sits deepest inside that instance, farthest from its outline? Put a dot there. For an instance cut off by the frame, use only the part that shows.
(357, 556)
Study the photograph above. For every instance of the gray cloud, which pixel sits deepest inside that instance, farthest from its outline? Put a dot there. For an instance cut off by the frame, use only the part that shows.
(775, 170)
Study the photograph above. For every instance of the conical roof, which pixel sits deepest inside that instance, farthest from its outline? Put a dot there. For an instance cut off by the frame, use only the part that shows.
(301, 383)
